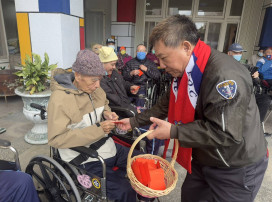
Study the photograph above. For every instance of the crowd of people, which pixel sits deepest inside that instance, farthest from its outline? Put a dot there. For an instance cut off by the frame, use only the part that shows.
(210, 108)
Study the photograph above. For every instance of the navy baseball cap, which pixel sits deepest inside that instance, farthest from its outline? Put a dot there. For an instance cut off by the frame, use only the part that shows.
(110, 40)
(236, 47)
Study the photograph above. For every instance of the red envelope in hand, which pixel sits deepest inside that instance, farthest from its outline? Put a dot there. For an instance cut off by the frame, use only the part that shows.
(140, 73)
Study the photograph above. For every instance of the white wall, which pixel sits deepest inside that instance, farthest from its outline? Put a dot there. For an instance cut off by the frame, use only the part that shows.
(27, 5)
(56, 34)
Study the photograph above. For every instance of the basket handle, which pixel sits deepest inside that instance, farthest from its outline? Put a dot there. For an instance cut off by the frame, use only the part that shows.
(140, 138)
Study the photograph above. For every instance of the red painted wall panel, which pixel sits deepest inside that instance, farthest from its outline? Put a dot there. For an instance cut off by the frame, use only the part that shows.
(126, 11)
(82, 38)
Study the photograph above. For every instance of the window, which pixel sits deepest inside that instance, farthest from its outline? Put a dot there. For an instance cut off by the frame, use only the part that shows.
(153, 7)
(148, 29)
(236, 7)
(211, 7)
(201, 27)
(217, 21)
(230, 36)
(213, 34)
(182, 7)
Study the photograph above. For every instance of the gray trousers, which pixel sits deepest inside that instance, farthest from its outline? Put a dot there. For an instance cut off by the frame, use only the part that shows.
(209, 184)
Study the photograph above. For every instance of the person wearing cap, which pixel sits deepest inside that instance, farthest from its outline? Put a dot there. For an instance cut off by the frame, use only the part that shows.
(262, 100)
(123, 58)
(265, 65)
(236, 50)
(116, 88)
(256, 57)
(111, 43)
(79, 115)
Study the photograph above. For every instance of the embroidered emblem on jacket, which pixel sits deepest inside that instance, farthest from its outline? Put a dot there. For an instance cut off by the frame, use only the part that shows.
(227, 89)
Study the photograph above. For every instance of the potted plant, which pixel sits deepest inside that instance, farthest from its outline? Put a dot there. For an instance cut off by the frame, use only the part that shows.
(35, 78)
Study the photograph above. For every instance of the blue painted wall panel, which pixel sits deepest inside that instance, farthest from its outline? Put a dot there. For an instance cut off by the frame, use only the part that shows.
(54, 6)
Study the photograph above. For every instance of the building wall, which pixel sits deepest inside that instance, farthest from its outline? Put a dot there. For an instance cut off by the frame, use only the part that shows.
(250, 25)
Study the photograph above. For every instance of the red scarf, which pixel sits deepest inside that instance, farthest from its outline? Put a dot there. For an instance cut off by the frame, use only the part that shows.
(183, 97)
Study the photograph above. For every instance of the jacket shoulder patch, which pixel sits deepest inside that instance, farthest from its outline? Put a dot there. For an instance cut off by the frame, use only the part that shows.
(227, 89)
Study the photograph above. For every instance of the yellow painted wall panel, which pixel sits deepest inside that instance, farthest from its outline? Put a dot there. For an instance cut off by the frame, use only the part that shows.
(81, 22)
(24, 35)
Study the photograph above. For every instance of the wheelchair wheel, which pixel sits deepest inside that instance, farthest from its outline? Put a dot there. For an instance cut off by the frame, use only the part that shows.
(54, 181)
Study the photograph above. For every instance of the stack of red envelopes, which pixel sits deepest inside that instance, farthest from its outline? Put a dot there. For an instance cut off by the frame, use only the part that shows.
(149, 173)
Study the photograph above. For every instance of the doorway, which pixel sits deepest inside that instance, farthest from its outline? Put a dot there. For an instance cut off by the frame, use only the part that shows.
(95, 28)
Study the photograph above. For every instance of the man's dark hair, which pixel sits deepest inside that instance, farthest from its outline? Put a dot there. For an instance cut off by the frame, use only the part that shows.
(174, 30)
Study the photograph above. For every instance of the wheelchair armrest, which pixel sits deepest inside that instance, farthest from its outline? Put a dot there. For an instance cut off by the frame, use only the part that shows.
(86, 151)
(4, 143)
(121, 111)
(40, 108)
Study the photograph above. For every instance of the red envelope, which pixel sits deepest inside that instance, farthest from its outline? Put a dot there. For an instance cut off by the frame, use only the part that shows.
(140, 73)
(157, 179)
(136, 170)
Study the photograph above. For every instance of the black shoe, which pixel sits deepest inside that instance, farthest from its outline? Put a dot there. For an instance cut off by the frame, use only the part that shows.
(267, 134)
(141, 198)
(2, 130)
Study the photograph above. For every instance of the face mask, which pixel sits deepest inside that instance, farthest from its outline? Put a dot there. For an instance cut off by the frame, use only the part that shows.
(141, 55)
(260, 54)
(123, 52)
(112, 46)
(153, 51)
(106, 73)
(237, 57)
(268, 57)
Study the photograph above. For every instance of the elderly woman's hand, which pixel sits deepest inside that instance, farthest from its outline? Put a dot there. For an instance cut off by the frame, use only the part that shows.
(107, 126)
(110, 116)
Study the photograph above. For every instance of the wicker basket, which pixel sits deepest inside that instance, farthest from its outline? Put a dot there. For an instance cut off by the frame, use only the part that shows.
(170, 174)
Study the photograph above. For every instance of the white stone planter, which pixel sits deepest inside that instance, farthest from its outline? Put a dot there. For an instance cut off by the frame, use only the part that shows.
(38, 134)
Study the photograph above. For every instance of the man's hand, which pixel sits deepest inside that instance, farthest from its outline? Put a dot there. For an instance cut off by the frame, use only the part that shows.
(134, 72)
(107, 126)
(134, 89)
(110, 116)
(144, 68)
(255, 75)
(162, 131)
(125, 125)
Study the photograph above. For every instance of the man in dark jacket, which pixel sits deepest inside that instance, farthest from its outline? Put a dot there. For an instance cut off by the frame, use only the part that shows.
(212, 111)
(138, 70)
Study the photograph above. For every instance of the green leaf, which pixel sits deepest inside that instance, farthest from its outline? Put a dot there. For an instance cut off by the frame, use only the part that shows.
(32, 90)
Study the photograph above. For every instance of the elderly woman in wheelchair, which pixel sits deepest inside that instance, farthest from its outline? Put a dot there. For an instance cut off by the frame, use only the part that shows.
(79, 115)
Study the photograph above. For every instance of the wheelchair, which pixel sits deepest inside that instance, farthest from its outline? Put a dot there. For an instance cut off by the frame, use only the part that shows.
(58, 180)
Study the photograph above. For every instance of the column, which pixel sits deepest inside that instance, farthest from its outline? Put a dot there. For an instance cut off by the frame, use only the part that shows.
(123, 23)
(52, 26)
